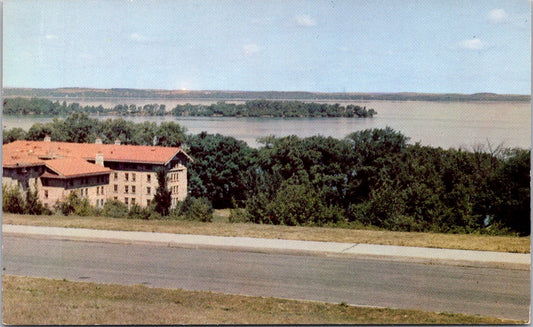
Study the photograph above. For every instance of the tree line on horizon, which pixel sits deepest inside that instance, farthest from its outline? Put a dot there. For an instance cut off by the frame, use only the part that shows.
(252, 108)
(372, 177)
(77, 92)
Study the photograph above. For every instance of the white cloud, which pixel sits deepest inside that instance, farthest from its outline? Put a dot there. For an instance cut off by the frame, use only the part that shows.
(50, 37)
(250, 49)
(138, 37)
(497, 16)
(472, 44)
(304, 20)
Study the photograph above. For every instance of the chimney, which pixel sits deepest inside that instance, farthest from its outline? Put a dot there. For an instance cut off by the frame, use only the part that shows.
(117, 141)
(98, 141)
(47, 138)
(99, 160)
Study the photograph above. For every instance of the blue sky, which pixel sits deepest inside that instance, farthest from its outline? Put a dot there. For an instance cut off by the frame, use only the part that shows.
(464, 46)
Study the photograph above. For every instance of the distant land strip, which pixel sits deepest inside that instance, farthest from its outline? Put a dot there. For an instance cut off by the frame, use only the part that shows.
(94, 93)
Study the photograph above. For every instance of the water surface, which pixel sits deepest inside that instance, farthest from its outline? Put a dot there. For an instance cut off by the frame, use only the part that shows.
(443, 124)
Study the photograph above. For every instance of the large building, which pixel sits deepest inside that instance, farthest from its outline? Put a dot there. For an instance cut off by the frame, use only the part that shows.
(96, 171)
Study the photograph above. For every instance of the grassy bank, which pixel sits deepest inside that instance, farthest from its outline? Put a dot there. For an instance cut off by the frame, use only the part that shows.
(56, 302)
(221, 227)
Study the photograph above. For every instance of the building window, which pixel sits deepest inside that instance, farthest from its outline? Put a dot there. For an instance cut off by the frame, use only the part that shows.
(115, 198)
(46, 194)
(116, 176)
(149, 178)
(115, 188)
(126, 200)
(133, 177)
(98, 190)
(127, 177)
(132, 200)
(126, 189)
(133, 189)
(148, 202)
(148, 190)
(102, 191)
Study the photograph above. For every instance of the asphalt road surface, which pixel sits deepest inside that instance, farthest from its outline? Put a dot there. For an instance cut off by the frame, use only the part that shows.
(484, 291)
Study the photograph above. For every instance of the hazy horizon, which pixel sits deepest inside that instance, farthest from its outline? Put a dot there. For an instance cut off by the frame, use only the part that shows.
(251, 91)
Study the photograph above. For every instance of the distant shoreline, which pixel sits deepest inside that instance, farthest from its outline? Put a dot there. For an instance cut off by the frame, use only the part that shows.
(93, 94)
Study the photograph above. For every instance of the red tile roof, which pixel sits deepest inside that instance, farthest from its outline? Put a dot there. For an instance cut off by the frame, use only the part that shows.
(33, 151)
(20, 158)
(74, 167)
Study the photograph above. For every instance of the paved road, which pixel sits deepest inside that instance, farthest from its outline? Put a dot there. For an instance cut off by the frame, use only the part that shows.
(485, 291)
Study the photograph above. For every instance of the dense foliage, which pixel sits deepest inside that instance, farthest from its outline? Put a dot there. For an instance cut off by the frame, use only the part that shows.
(255, 108)
(13, 201)
(374, 177)
(371, 177)
(218, 170)
(266, 108)
(81, 128)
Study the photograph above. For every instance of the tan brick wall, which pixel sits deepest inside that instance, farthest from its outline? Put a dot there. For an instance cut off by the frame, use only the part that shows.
(93, 188)
(177, 184)
(139, 186)
(132, 185)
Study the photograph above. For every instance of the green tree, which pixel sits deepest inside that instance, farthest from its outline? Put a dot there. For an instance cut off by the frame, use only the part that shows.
(162, 196)
(14, 134)
(38, 131)
(33, 205)
(512, 203)
(217, 172)
(169, 134)
(80, 128)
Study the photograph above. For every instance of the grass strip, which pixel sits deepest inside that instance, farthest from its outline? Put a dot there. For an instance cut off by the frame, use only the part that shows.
(221, 227)
(33, 301)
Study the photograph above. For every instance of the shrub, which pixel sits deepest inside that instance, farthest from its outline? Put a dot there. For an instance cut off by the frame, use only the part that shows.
(197, 209)
(256, 208)
(185, 206)
(115, 209)
(297, 205)
(33, 205)
(238, 215)
(67, 206)
(154, 215)
(136, 212)
(12, 200)
(84, 208)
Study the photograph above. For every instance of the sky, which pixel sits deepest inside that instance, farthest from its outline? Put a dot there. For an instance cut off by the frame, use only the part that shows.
(430, 46)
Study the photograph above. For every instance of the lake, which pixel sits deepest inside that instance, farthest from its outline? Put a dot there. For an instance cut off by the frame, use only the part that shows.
(442, 124)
